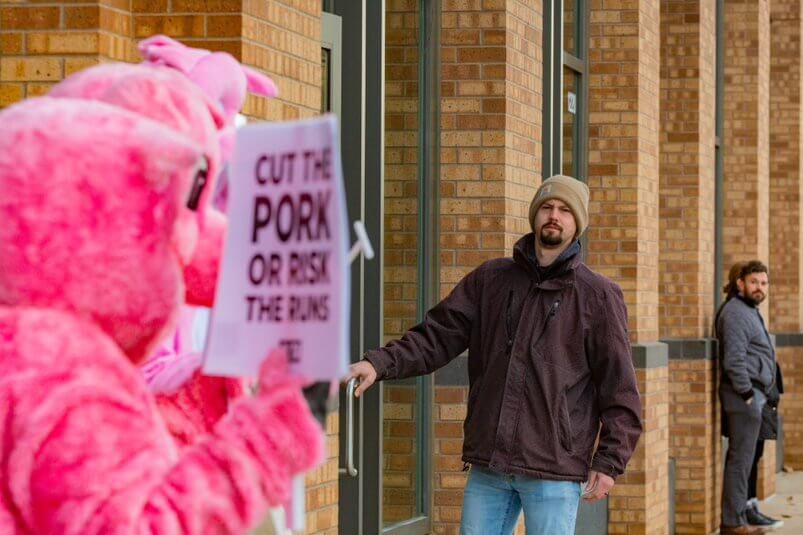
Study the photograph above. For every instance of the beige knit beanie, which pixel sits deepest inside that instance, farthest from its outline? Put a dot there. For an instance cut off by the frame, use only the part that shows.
(567, 189)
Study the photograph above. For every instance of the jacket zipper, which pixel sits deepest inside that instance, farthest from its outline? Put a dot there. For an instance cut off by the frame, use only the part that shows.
(509, 322)
(552, 311)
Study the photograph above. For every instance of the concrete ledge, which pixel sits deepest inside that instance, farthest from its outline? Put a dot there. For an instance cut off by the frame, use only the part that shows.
(788, 339)
(692, 348)
(650, 355)
(453, 374)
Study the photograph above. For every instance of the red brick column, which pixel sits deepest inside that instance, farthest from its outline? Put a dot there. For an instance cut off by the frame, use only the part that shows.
(746, 132)
(785, 183)
(786, 267)
(791, 358)
(687, 168)
(694, 438)
(490, 167)
(623, 236)
(747, 146)
(687, 187)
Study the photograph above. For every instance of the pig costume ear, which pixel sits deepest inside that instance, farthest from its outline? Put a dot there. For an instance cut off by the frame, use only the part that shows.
(218, 74)
(162, 50)
(259, 84)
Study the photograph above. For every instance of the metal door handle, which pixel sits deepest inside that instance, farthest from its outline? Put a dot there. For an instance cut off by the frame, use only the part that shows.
(350, 469)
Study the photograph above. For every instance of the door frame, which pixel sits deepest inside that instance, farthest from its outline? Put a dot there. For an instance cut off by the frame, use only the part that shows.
(362, 145)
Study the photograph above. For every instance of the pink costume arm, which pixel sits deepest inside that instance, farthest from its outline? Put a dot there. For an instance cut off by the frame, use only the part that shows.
(91, 457)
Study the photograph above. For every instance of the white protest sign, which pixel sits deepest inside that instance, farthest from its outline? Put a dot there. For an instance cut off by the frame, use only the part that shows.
(284, 280)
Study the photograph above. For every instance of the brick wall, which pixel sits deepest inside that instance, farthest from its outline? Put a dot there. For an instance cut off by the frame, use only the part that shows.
(473, 107)
(400, 453)
(400, 249)
(791, 360)
(623, 235)
(695, 444)
(785, 230)
(746, 132)
(450, 479)
(283, 39)
(40, 43)
(623, 154)
(490, 166)
(765, 480)
(785, 184)
(639, 500)
(401, 168)
(523, 97)
(687, 182)
(688, 57)
(322, 485)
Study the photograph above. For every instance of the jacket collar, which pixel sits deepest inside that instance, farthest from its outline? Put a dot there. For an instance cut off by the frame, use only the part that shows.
(565, 264)
(749, 302)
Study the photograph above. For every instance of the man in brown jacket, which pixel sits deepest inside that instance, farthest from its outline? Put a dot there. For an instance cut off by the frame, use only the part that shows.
(550, 369)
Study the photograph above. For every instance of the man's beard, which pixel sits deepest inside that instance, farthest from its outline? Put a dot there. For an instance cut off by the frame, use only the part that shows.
(753, 300)
(550, 239)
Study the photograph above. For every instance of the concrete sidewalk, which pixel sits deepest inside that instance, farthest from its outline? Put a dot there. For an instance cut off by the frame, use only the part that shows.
(787, 504)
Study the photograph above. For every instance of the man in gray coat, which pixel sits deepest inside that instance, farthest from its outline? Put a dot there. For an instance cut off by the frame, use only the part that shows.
(747, 361)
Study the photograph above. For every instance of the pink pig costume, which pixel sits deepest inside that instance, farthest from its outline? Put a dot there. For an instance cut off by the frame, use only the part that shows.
(190, 403)
(98, 248)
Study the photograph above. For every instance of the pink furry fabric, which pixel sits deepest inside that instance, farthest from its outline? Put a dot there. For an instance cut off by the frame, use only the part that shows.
(194, 409)
(94, 241)
(169, 97)
(190, 403)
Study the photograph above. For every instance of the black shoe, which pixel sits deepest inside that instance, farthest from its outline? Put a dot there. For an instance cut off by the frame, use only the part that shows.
(756, 518)
(774, 523)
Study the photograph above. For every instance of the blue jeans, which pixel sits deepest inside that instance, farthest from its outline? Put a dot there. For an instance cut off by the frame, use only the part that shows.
(492, 503)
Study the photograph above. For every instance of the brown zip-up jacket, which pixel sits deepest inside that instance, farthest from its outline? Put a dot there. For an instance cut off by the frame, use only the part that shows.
(549, 362)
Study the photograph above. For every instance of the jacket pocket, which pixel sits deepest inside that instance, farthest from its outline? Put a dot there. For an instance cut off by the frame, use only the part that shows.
(564, 423)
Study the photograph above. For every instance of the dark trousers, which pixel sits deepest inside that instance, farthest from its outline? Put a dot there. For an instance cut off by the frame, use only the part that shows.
(752, 483)
(744, 424)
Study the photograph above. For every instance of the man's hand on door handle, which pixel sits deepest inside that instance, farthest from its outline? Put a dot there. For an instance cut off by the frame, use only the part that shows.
(365, 373)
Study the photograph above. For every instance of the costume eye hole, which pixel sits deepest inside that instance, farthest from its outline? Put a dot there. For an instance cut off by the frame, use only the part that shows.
(198, 184)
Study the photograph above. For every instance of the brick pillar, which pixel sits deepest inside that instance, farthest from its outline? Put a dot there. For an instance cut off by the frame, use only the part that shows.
(639, 503)
(746, 221)
(283, 39)
(688, 57)
(687, 184)
(746, 132)
(785, 181)
(790, 355)
(695, 441)
(490, 115)
(624, 231)
(786, 267)
(490, 167)
(623, 155)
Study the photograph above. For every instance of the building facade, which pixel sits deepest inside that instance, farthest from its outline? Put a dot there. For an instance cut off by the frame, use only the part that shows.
(682, 116)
